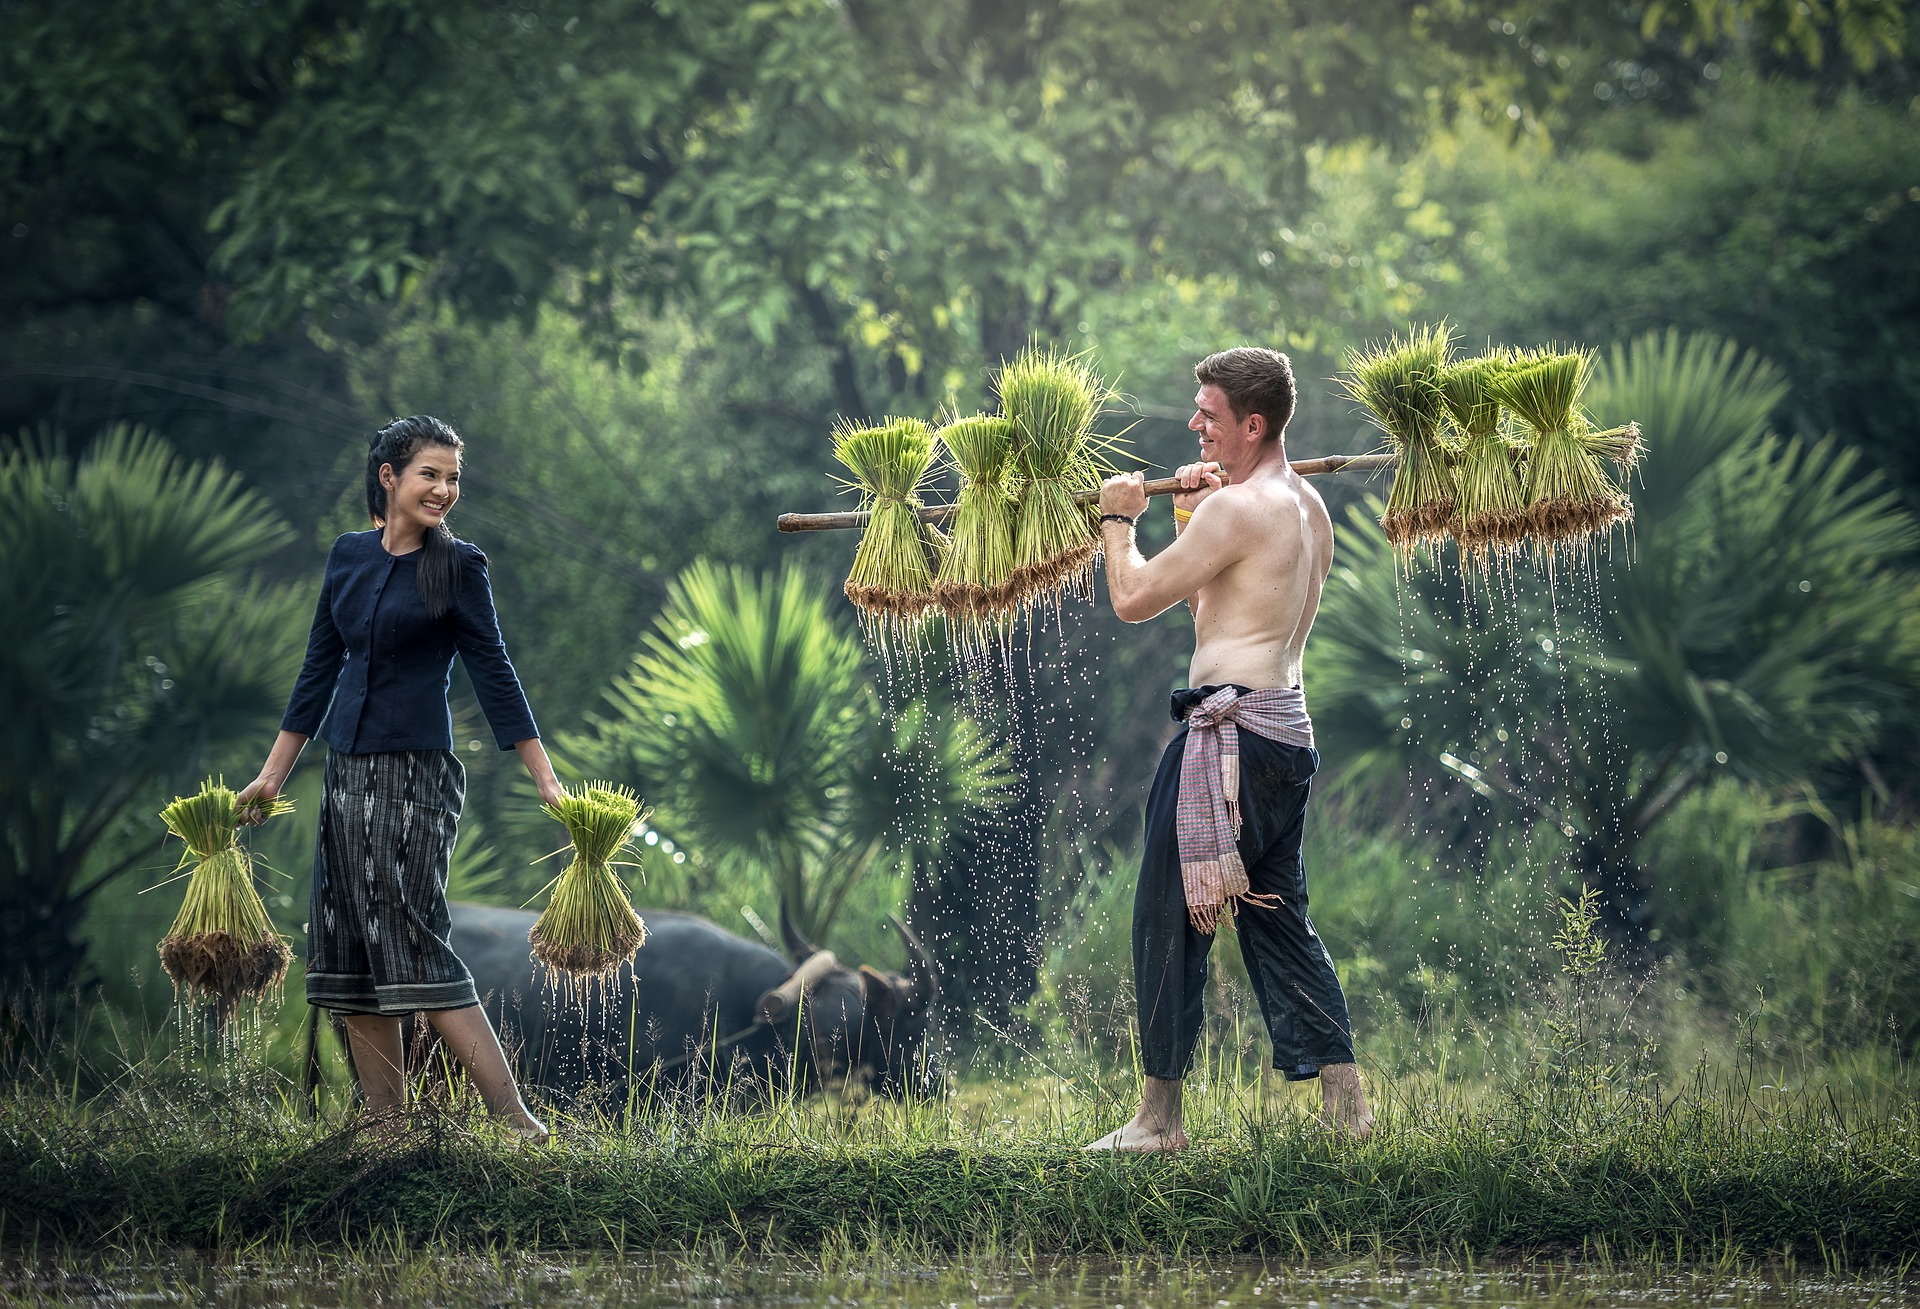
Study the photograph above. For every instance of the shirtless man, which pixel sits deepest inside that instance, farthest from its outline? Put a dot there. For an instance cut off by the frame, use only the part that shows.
(1251, 554)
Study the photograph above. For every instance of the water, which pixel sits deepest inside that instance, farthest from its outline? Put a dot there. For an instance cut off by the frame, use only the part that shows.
(457, 1280)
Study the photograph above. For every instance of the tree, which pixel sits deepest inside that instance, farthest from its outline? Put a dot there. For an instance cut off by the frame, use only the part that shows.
(1758, 622)
(747, 721)
(133, 651)
(989, 165)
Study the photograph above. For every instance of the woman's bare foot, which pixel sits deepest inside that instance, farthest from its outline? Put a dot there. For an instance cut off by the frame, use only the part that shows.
(524, 1126)
(1343, 1102)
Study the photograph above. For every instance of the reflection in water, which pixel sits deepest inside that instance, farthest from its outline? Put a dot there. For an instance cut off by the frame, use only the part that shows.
(306, 1279)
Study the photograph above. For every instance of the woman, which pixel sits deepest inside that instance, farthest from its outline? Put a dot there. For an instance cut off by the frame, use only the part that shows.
(396, 605)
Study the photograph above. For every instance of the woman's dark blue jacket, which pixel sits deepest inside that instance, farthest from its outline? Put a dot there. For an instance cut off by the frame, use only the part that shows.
(377, 666)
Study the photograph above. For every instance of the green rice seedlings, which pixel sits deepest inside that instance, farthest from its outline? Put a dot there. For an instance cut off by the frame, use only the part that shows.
(589, 928)
(222, 946)
(1489, 521)
(1568, 496)
(974, 585)
(1624, 445)
(891, 581)
(1398, 382)
(1051, 400)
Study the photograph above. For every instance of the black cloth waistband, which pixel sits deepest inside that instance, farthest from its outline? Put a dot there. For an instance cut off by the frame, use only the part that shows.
(1187, 699)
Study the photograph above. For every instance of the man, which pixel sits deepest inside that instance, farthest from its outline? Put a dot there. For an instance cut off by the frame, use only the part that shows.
(1227, 809)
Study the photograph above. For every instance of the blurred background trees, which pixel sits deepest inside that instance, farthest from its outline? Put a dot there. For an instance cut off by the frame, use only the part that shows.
(644, 254)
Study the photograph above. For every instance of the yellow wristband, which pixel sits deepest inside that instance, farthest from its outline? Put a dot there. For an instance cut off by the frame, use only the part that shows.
(1181, 515)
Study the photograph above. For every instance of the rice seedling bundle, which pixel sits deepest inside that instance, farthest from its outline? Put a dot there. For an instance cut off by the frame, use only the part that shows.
(891, 581)
(222, 946)
(589, 928)
(1399, 383)
(1568, 496)
(1489, 520)
(1052, 399)
(974, 584)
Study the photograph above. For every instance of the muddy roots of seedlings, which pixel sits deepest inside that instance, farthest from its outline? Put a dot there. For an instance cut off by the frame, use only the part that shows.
(221, 946)
(222, 968)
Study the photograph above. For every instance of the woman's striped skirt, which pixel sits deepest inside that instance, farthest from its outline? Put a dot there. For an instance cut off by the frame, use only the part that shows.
(378, 934)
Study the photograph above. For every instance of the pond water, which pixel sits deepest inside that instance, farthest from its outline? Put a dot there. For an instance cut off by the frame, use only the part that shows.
(468, 1280)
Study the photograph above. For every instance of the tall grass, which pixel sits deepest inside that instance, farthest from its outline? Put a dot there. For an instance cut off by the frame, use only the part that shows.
(1574, 1147)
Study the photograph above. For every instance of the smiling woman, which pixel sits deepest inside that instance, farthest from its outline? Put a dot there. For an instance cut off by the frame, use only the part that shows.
(397, 604)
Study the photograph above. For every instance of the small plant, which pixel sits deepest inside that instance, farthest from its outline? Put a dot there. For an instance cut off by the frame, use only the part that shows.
(891, 581)
(589, 927)
(1399, 383)
(1489, 521)
(1052, 399)
(222, 946)
(975, 583)
(1568, 497)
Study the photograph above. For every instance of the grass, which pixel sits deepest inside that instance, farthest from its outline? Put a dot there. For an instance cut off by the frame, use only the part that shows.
(203, 1148)
(1524, 1107)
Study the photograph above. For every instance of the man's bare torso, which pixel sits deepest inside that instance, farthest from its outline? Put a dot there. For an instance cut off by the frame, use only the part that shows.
(1251, 619)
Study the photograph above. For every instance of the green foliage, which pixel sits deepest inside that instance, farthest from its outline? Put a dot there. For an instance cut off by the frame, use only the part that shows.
(985, 176)
(746, 720)
(1776, 217)
(1813, 956)
(134, 651)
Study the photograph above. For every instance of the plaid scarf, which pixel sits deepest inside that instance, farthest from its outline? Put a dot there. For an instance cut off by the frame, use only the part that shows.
(1208, 823)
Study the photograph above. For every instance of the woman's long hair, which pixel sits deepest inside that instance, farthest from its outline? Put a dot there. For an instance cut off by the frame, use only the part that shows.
(398, 443)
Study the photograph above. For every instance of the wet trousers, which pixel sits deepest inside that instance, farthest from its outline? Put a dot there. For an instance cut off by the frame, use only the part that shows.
(1293, 979)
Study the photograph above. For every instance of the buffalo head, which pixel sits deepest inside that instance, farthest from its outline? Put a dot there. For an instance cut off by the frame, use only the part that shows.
(859, 1025)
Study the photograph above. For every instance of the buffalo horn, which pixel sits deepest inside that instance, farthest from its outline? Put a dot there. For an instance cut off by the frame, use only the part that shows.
(920, 966)
(797, 945)
(778, 1004)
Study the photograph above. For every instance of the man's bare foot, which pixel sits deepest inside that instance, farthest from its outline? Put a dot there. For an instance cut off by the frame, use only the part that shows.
(1343, 1102)
(1156, 1128)
(1136, 1139)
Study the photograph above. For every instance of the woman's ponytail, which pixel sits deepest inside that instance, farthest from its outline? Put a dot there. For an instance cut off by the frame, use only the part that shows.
(397, 443)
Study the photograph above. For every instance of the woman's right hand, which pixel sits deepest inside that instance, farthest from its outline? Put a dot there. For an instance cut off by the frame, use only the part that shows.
(254, 795)
(251, 803)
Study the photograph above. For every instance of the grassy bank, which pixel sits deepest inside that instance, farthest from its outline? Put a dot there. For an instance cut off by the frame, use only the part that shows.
(1567, 1132)
(1720, 1167)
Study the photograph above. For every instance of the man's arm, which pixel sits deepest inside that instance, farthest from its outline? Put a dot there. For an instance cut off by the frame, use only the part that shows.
(1142, 588)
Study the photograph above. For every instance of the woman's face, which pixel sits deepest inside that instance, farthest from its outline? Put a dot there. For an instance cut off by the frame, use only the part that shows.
(421, 494)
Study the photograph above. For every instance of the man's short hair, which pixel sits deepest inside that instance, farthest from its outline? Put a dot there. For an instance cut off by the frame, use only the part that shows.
(1256, 380)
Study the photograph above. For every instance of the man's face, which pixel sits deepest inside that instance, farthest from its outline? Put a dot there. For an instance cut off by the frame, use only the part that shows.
(1224, 437)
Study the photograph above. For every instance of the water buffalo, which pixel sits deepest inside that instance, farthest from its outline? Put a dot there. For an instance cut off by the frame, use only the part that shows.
(701, 1007)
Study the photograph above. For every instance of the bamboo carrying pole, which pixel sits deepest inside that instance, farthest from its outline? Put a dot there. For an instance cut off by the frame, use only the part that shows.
(1163, 486)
